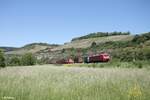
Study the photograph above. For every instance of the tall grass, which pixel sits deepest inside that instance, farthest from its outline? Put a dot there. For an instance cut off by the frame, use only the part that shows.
(73, 83)
(114, 64)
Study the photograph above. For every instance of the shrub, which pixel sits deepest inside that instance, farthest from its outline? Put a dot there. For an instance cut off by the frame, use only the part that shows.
(93, 65)
(2, 59)
(118, 65)
(93, 44)
(15, 61)
(101, 66)
(138, 64)
(141, 38)
(28, 59)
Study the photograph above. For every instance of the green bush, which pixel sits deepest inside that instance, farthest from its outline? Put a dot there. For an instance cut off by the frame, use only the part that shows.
(2, 59)
(101, 66)
(132, 54)
(141, 38)
(138, 64)
(93, 65)
(15, 61)
(28, 59)
(93, 44)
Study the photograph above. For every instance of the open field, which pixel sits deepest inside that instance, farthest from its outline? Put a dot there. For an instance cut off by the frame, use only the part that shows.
(49, 82)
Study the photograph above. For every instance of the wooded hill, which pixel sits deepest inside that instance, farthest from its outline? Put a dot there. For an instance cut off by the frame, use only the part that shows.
(100, 34)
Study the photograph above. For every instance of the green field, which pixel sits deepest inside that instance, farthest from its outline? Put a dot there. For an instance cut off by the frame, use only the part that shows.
(49, 82)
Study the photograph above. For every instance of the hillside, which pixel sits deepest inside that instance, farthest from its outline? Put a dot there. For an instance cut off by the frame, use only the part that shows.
(120, 47)
(84, 43)
(78, 47)
(31, 48)
(100, 34)
(6, 49)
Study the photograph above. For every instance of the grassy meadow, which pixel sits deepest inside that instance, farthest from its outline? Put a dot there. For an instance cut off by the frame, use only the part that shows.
(50, 82)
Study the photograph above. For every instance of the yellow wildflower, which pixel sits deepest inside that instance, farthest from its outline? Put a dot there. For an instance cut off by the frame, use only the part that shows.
(135, 91)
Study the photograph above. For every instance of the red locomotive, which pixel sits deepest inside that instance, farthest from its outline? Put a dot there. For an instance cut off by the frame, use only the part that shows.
(102, 57)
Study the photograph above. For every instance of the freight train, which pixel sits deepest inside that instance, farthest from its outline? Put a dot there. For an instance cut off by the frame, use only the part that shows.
(102, 57)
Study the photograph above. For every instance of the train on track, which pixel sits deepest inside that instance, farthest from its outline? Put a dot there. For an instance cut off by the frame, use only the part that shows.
(101, 57)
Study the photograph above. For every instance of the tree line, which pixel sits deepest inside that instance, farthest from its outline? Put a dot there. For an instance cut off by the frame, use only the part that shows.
(24, 60)
(100, 34)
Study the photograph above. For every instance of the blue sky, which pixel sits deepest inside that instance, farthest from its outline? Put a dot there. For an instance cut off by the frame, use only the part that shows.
(58, 21)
